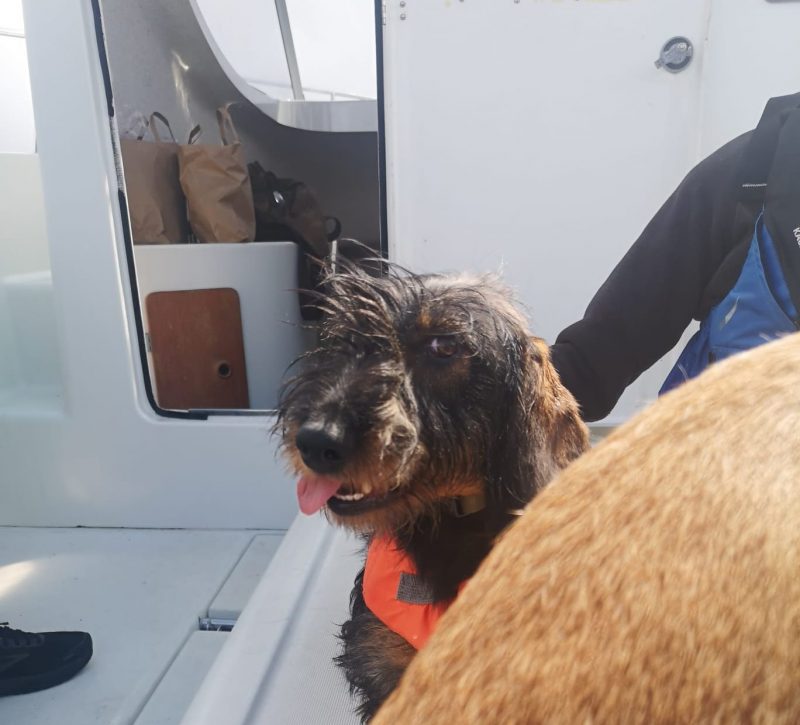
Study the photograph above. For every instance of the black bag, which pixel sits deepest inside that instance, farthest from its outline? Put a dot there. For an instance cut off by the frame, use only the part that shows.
(288, 210)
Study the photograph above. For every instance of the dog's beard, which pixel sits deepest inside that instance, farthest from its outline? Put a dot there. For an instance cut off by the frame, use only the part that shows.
(366, 497)
(424, 494)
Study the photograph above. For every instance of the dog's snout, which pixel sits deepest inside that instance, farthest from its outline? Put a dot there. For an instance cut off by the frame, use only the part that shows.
(324, 448)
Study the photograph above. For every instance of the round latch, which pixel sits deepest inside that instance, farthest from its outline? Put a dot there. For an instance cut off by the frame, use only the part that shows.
(676, 54)
(224, 369)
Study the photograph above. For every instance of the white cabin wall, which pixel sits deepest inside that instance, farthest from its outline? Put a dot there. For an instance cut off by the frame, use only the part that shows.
(537, 138)
(753, 54)
(104, 458)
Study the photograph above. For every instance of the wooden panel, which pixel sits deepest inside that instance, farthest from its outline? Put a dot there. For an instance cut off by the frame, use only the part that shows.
(197, 349)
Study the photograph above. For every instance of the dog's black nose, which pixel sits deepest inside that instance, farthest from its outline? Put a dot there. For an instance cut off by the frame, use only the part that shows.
(325, 447)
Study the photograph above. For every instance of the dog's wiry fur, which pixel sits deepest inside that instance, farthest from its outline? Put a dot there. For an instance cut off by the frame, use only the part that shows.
(655, 580)
(489, 417)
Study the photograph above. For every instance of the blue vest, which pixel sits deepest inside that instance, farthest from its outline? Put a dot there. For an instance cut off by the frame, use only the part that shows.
(763, 303)
(758, 309)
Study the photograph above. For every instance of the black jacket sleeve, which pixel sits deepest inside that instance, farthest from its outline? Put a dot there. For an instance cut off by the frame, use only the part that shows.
(650, 298)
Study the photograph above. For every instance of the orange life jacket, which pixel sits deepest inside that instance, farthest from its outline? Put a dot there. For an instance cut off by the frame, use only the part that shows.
(394, 594)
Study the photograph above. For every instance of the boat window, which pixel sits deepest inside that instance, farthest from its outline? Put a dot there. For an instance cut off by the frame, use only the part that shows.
(253, 48)
(30, 376)
(16, 117)
(248, 142)
(342, 31)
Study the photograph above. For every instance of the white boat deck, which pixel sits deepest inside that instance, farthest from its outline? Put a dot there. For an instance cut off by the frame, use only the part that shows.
(140, 594)
(276, 665)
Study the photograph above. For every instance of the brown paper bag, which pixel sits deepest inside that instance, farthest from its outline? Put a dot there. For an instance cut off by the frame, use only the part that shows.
(217, 187)
(156, 203)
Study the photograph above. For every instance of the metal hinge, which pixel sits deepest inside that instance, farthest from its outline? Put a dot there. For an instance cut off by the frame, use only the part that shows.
(117, 153)
(212, 624)
(148, 343)
(383, 12)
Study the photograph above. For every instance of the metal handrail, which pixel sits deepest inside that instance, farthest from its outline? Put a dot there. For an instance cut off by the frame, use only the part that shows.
(288, 48)
(332, 94)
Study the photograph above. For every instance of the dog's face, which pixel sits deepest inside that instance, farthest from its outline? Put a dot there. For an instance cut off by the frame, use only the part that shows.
(412, 397)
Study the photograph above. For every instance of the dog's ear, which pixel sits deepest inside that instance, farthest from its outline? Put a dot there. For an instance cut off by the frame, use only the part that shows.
(558, 427)
(542, 430)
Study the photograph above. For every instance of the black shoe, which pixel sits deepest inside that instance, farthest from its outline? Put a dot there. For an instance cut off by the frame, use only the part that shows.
(31, 662)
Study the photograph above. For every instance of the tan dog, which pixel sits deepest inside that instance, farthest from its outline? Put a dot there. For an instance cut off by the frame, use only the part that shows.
(657, 579)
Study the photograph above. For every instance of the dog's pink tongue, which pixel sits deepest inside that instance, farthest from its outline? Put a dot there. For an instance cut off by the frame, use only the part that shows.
(313, 492)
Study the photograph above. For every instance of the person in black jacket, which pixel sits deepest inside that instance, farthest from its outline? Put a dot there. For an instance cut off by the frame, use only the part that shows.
(685, 262)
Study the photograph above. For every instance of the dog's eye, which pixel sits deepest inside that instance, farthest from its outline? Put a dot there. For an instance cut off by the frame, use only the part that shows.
(442, 347)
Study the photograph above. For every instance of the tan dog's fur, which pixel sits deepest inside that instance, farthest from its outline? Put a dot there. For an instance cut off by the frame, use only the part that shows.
(657, 579)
